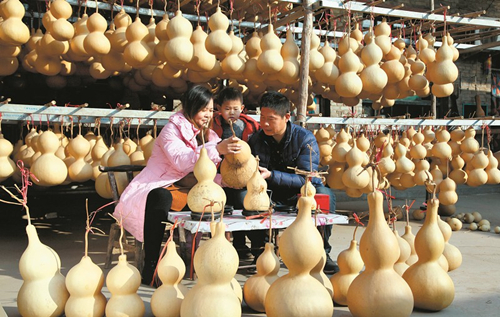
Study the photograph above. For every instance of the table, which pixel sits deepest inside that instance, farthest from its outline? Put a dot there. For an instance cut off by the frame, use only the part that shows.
(237, 222)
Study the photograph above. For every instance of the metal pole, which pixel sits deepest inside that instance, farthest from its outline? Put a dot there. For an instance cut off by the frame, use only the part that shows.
(433, 98)
(304, 63)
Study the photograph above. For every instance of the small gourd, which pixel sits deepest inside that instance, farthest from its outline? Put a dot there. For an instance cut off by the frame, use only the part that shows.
(334, 178)
(425, 53)
(316, 59)
(167, 299)
(477, 176)
(80, 170)
(404, 253)
(349, 84)
(81, 32)
(329, 72)
(458, 175)
(447, 192)
(218, 42)
(403, 163)
(350, 264)
(430, 284)
(341, 148)
(410, 238)
(422, 172)
(233, 64)
(492, 169)
(386, 163)
(393, 67)
(256, 286)
(253, 51)
(116, 158)
(469, 143)
(418, 151)
(270, 60)
(48, 168)
(418, 81)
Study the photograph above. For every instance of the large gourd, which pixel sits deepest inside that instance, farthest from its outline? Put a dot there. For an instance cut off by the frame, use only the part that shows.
(179, 50)
(61, 29)
(256, 286)
(43, 292)
(167, 299)
(206, 189)
(270, 60)
(202, 60)
(298, 293)
(289, 74)
(96, 43)
(379, 290)
(48, 168)
(218, 41)
(349, 84)
(216, 263)
(79, 170)
(123, 281)
(373, 77)
(137, 53)
(431, 286)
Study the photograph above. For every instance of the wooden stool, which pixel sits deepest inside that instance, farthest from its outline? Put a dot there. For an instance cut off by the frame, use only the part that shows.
(129, 243)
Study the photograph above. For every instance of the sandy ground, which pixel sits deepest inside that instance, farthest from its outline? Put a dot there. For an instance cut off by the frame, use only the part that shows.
(477, 281)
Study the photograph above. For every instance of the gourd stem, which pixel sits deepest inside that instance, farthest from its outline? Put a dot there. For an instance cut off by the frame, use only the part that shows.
(87, 229)
(121, 237)
(232, 129)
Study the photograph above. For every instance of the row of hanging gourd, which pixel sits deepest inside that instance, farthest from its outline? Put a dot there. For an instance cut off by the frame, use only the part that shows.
(53, 159)
(456, 158)
(171, 54)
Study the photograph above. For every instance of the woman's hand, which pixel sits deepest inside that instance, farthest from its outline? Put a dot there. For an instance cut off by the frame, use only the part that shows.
(228, 146)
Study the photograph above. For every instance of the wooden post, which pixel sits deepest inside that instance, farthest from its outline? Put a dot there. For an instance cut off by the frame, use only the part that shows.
(305, 48)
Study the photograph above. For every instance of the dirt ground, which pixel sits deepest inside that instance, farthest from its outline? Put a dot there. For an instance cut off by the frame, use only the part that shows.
(61, 226)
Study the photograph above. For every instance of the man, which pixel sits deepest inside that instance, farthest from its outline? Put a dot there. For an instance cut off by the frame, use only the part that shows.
(280, 145)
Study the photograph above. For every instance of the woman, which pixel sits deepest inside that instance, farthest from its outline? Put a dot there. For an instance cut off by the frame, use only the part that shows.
(146, 201)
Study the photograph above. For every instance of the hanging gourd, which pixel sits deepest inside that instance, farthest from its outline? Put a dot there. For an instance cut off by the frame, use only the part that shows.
(76, 43)
(373, 77)
(289, 74)
(167, 299)
(48, 168)
(422, 173)
(441, 149)
(417, 81)
(341, 148)
(455, 51)
(7, 166)
(97, 153)
(218, 42)
(477, 176)
(445, 71)
(469, 143)
(61, 29)
(347, 42)
(202, 61)
(350, 264)
(253, 50)
(431, 286)
(447, 192)
(316, 59)
(12, 29)
(458, 175)
(117, 158)
(329, 72)
(137, 53)
(270, 60)
(301, 249)
(379, 288)
(256, 199)
(382, 32)
(206, 189)
(179, 49)
(233, 65)
(118, 38)
(162, 35)
(386, 163)
(216, 263)
(355, 176)
(492, 169)
(334, 178)
(451, 253)
(349, 84)
(256, 286)
(80, 170)
(425, 53)
(403, 163)
(418, 151)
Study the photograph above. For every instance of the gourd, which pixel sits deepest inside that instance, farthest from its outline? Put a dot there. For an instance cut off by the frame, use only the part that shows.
(349, 84)
(403, 164)
(386, 163)
(334, 178)
(79, 170)
(118, 38)
(492, 169)
(373, 77)
(12, 29)
(422, 172)
(162, 35)
(117, 158)
(289, 74)
(218, 42)
(167, 299)
(441, 149)
(48, 168)
(76, 43)
(458, 175)
(445, 71)
(341, 148)
(478, 176)
(96, 43)
(253, 51)
(202, 60)
(216, 263)
(410, 238)
(270, 60)
(329, 72)
(147, 143)
(382, 39)
(425, 53)
(205, 171)
(179, 49)
(123, 281)
(233, 64)
(301, 249)
(318, 274)
(447, 192)
(431, 286)
(61, 29)
(256, 286)
(418, 81)
(355, 176)
(316, 59)
(350, 264)
(469, 143)
(418, 151)
(451, 253)
(256, 198)
(404, 253)
(137, 53)
(393, 67)
(379, 288)
(102, 185)
(7, 166)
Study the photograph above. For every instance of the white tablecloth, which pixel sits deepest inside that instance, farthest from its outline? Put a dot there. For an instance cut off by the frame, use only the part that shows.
(237, 222)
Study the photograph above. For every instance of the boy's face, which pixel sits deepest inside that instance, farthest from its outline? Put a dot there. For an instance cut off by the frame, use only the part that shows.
(231, 110)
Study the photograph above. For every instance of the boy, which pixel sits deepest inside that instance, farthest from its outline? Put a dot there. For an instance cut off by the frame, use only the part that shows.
(229, 103)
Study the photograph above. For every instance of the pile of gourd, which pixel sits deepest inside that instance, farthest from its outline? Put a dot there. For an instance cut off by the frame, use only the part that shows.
(170, 54)
(447, 158)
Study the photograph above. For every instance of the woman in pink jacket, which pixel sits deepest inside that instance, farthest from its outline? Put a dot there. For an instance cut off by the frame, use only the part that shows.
(167, 177)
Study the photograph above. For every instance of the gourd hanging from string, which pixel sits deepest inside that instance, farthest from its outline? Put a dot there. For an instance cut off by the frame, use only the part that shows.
(316, 59)
(203, 60)
(61, 29)
(218, 41)
(7, 166)
(349, 84)
(179, 49)
(253, 51)
(162, 35)
(96, 43)
(118, 38)
(137, 53)
(289, 74)
(329, 72)
(270, 60)
(12, 29)
(382, 32)
(373, 77)
(77, 50)
(233, 64)
(48, 168)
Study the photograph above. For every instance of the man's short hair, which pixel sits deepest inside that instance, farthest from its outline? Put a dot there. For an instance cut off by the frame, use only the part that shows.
(228, 94)
(276, 101)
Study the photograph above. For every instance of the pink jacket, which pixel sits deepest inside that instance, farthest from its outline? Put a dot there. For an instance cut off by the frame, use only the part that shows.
(175, 152)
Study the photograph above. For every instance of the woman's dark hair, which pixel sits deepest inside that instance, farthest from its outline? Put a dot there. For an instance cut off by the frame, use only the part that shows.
(228, 94)
(276, 101)
(193, 101)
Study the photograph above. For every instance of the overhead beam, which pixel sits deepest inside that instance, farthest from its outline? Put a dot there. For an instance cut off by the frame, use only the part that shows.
(479, 48)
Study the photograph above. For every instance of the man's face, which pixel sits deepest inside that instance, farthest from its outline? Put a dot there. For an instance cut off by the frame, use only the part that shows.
(272, 123)
(231, 110)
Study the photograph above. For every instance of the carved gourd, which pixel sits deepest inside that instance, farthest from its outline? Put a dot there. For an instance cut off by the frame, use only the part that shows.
(447, 192)
(79, 170)
(256, 286)
(256, 198)
(329, 72)
(218, 41)
(350, 264)
(492, 169)
(43, 292)
(355, 176)
(340, 150)
(451, 253)
(48, 168)
(373, 77)
(137, 53)
(216, 263)
(379, 288)
(7, 166)
(167, 299)
(477, 176)
(84, 282)
(289, 74)
(270, 60)
(205, 172)
(441, 149)
(301, 249)
(349, 84)
(123, 281)
(431, 286)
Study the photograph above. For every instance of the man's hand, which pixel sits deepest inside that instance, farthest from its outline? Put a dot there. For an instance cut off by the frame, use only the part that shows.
(264, 172)
(228, 146)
